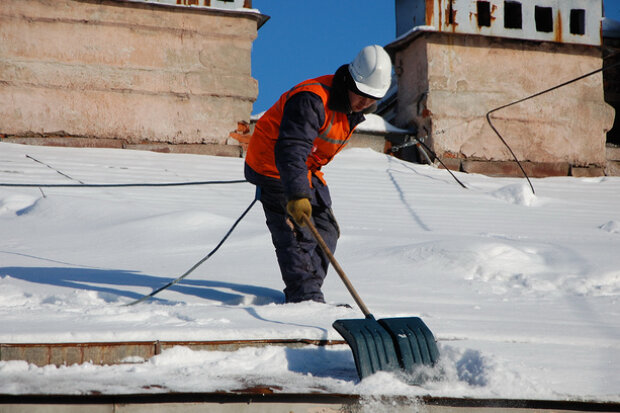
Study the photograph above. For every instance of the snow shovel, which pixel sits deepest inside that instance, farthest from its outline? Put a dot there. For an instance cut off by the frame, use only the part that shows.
(388, 344)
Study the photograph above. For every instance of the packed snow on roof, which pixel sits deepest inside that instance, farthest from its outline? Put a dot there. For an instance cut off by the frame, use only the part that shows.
(520, 290)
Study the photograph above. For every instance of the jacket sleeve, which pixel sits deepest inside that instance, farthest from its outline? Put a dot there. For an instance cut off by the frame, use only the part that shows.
(303, 116)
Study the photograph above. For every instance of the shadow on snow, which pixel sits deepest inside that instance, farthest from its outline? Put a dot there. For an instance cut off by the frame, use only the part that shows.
(110, 281)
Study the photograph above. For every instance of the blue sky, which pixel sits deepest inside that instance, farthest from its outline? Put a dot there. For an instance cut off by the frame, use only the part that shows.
(305, 39)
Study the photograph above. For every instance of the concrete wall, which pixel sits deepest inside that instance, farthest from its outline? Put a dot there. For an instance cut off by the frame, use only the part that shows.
(447, 83)
(121, 74)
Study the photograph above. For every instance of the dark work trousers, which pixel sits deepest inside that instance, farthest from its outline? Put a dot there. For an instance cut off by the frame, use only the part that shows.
(302, 262)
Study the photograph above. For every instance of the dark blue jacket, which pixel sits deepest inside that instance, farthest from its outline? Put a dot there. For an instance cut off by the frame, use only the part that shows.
(303, 116)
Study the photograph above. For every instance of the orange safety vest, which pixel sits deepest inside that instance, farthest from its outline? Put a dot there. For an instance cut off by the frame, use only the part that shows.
(332, 136)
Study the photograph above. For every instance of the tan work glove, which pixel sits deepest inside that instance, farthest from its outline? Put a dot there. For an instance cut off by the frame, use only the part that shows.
(298, 208)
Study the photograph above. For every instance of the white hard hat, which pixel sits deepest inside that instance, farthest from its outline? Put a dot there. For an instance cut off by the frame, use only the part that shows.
(372, 71)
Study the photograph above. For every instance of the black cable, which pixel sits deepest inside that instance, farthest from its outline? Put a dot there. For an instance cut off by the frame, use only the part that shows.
(416, 142)
(488, 115)
(238, 181)
(440, 161)
(85, 185)
(188, 272)
(63, 174)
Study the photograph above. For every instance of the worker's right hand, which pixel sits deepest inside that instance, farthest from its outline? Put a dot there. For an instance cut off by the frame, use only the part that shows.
(298, 208)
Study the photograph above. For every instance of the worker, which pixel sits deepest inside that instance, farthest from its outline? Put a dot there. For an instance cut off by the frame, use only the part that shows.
(292, 140)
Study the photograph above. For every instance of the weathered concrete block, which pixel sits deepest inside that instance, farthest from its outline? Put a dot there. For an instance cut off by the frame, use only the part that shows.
(126, 71)
(612, 168)
(66, 141)
(33, 354)
(77, 353)
(587, 172)
(612, 153)
(507, 168)
(453, 164)
(200, 149)
(375, 141)
(448, 83)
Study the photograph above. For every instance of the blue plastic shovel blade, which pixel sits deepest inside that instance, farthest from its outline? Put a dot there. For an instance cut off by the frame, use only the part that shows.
(372, 346)
(413, 341)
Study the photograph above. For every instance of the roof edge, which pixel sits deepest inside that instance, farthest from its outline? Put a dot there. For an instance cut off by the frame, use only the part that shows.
(254, 14)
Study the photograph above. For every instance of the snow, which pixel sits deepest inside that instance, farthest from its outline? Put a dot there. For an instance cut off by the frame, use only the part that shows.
(372, 123)
(375, 123)
(221, 5)
(520, 290)
(416, 29)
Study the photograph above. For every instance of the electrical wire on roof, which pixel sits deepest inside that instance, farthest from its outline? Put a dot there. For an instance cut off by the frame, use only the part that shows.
(144, 184)
(488, 114)
(202, 260)
(196, 265)
(418, 141)
(132, 185)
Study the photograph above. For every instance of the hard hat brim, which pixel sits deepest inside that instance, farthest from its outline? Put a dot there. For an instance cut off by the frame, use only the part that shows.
(367, 91)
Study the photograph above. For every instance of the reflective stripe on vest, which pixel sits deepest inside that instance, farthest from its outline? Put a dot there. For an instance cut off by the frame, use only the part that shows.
(332, 136)
(334, 141)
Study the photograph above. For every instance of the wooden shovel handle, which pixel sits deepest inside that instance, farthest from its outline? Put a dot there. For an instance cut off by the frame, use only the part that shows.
(339, 270)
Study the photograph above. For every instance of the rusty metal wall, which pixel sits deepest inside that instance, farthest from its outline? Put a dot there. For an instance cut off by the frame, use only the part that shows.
(563, 21)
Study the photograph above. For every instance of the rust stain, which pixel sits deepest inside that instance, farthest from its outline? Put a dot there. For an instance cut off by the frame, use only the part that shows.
(450, 16)
(242, 134)
(192, 2)
(450, 155)
(260, 390)
(429, 12)
(153, 386)
(476, 26)
(558, 28)
(484, 17)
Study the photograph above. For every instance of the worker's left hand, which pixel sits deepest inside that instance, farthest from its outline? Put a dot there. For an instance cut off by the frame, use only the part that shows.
(298, 208)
